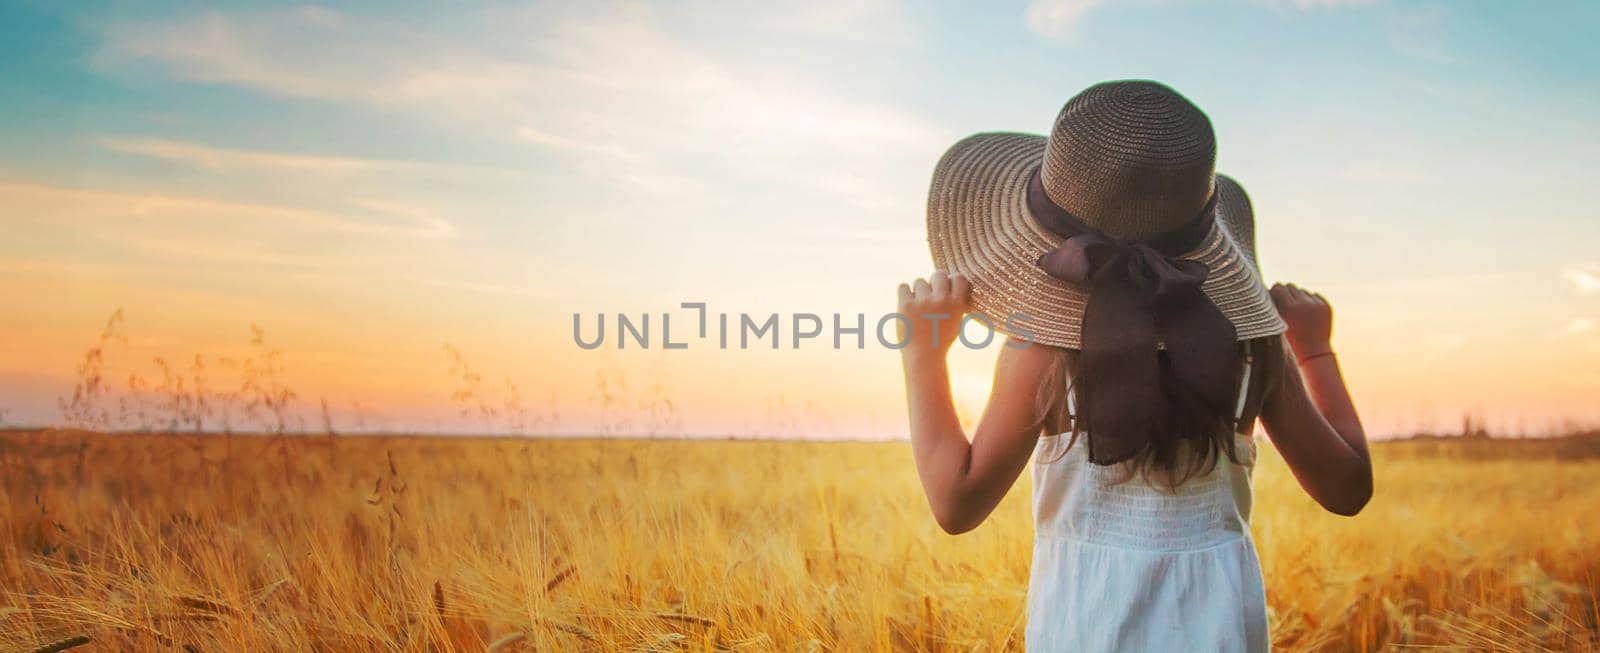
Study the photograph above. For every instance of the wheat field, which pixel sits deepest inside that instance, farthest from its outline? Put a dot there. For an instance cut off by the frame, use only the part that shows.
(254, 543)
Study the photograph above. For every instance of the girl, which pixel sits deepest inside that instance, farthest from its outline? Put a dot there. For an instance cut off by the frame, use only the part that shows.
(1142, 348)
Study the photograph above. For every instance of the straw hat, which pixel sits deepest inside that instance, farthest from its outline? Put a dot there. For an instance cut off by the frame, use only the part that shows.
(1132, 159)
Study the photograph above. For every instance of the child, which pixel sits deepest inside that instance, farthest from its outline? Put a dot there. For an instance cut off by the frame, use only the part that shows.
(1143, 347)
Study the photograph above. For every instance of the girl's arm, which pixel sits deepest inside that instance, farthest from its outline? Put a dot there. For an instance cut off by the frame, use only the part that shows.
(964, 481)
(1310, 416)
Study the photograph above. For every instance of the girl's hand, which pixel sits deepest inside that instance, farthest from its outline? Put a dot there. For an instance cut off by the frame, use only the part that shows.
(1309, 317)
(933, 309)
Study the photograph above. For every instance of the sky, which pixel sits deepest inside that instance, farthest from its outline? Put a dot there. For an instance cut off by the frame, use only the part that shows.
(411, 203)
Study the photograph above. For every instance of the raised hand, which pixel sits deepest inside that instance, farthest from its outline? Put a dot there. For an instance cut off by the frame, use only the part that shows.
(1309, 316)
(933, 308)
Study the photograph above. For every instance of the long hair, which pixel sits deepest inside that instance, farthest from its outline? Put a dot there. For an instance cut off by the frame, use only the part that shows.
(1192, 436)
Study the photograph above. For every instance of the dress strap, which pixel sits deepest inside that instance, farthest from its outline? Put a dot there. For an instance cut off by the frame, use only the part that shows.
(1244, 381)
(1252, 381)
(1073, 418)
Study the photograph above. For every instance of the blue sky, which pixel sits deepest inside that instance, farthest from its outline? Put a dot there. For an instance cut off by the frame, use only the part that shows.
(476, 173)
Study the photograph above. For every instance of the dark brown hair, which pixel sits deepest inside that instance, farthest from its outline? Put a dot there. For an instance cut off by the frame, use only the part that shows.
(1192, 436)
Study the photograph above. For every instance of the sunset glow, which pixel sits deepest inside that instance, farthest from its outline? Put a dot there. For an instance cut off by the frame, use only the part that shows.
(369, 189)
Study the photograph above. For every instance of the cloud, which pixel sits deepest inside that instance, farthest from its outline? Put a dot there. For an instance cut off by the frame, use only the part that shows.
(597, 90)
(1585, 278)
(220, 159)
(1578, 326)
(229, 251)
(212, 47)
(547, 139)
(882, 22)
(321, 54)
(83, 207)
(1056, 19)
(414, 221)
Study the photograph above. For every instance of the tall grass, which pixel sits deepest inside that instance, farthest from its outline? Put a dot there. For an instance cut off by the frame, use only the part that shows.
(165, 541)
(192, 398)
(250, 393)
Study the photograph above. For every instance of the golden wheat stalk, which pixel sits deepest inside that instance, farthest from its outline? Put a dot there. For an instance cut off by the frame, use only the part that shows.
(506, 640)
(687, 618)
(559, 578)
(61, 645)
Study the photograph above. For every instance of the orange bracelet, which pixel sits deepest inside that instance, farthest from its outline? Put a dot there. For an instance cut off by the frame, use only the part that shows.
(1315, 356)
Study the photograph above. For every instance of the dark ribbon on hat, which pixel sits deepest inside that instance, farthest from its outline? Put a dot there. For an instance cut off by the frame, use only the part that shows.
(1140, 293)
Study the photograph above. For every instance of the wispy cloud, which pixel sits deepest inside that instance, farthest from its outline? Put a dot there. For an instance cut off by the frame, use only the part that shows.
(84, 206)
(413, 220)
(547, 139)
(1584, 277)
(595, 89)
(1057, 19)
(1578, 326)
(886, 22)
(222, 159)
(212, 47)
(229, 251)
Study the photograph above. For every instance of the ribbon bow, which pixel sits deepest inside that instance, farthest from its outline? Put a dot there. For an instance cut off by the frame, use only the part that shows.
(1140, 293)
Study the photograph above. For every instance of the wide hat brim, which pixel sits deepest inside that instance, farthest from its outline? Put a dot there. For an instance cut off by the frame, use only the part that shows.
(979, 226)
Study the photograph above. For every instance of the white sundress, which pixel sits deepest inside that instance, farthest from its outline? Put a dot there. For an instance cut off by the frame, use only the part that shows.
(1132, 567)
